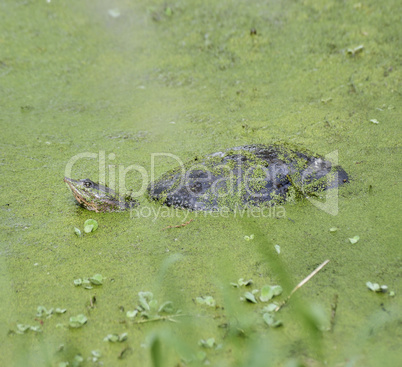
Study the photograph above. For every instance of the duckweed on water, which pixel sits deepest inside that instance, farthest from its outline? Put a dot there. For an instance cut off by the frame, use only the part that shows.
(43, 311)
(90, 225)
(149, 310)
(249, 296)
(96, 279)
(166, 307)
(132, 314)
(77, 321)
(354, 239)
(241, 282)
(207, 343)
(78, 282)
(96, 354)
(206, 300)
(115, 338)
(375, 287)
(76, 362)
(270, 308)
(268, 292)
(22, 328)
(86, 283)
(270, 320)
(273, 82)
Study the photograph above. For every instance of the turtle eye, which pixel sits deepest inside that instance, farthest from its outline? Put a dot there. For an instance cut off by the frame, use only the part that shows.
(87, 184)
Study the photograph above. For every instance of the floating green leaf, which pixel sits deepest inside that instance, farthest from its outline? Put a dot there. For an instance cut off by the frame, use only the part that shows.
(250, 297)
(77, 360)
(333, 229)
(166, 307)
(22, 328)
(77, 231)
(270, 308)
(96, 354)
(97, 279)
(241, 282)
(60, 310)
(278, 249)
(116, 338)
(354, 239)
(88, 228)
(77, 321)
(270, 320)
(42, 311)
(131, 314)
(245, 283)
(78, 281)
(375, 287)
(86, 283)
(208, 343)
(374, 121)
(144, 299)
(111, 338)
(90, 225)
(268, 292)
(207, 300)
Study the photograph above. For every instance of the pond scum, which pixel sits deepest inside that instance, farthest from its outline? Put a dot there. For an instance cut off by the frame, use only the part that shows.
(250, 323)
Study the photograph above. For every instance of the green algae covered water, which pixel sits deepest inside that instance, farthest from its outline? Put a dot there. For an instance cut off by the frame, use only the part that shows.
(119, 93)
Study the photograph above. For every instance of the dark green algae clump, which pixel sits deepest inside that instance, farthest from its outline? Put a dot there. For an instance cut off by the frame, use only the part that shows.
(246, 176)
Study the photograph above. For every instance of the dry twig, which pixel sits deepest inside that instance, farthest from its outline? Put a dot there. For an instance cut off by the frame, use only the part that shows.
(303, 282)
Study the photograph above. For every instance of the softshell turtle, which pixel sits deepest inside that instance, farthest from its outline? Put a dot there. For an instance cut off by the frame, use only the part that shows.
(244, 176)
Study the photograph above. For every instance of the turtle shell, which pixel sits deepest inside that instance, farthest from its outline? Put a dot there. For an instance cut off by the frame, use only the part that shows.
(244, 176)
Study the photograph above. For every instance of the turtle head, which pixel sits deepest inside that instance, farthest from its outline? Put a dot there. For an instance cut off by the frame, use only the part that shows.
(95, 197)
